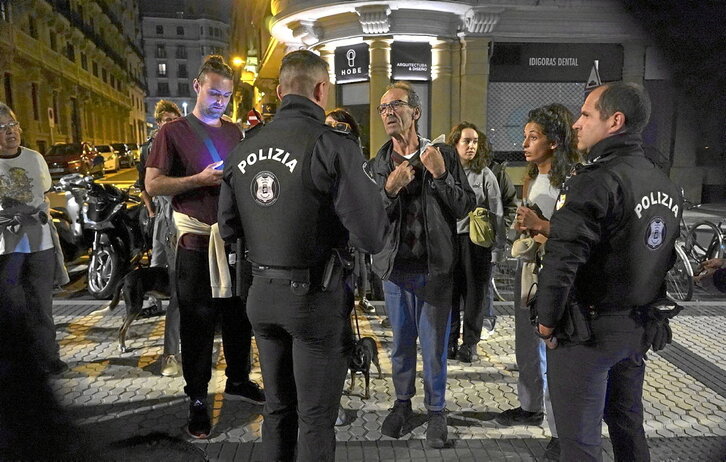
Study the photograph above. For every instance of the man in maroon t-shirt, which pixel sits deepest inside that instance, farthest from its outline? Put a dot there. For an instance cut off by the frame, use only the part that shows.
(185, 162)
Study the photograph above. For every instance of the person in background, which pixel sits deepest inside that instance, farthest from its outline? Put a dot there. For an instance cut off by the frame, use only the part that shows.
(549, 147)
(711, 275)
(185, 162)
(425, 191)
(163, 248)
(473, 269)
(31, 260)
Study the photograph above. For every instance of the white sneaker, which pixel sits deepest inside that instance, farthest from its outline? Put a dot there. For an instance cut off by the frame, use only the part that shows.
(169, 366)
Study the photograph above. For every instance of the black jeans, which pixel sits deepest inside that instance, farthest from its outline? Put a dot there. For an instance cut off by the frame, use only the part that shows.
(304, 343)
(26, 285)
(604, 380)
(199, 316)
(471, 285)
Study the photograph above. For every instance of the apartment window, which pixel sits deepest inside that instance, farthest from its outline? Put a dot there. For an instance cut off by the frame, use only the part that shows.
(56, 110)
(209, 31)
(32, 27)
(70, 52)
(104, 75)
(160, 51)
(216, 32)
(8, 84)
(5, 10)
(34, 98)
(53, 41)
(201, 30)
(162, 89)
(183, 89)
(84, 61)
(160, 30)
(113, 81)
(181, 52)
(179, 30)
(182, 71)
(95, 68)
(161, 70)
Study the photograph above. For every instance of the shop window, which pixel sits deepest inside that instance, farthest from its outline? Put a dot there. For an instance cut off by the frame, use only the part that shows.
(161, 70)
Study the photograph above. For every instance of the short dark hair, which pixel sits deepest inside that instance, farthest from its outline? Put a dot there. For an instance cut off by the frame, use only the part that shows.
(556, 122)
(341, 115)
(413, 98)
(216, 64)
(164, 105)
(483, 151)
(300, 71)
(629, 98)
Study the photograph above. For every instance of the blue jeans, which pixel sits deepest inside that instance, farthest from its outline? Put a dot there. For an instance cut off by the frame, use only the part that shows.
(412, 318)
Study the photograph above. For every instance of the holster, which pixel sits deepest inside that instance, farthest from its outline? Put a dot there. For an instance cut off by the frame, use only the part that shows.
(575, 326)
(339, 258)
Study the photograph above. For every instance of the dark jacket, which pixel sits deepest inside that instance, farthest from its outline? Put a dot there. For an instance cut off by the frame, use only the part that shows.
(613, 234)
(445, 200)
(507, 190)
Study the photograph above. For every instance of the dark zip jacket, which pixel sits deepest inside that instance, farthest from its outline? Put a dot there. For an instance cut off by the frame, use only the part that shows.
(445, 200)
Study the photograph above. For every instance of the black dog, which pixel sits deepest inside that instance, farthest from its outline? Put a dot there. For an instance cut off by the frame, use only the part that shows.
(364, 353)
(135, 286)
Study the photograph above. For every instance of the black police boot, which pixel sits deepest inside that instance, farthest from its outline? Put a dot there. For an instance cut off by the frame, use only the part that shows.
(394, 422)
(519, 416)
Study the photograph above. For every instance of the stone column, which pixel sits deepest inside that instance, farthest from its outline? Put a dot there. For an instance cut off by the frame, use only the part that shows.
(380, 73)
(474, 80)
(329, 57)
(633, 62)
(441, 87)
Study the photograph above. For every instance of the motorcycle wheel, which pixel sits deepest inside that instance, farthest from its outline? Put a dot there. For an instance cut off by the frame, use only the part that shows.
(104, 272)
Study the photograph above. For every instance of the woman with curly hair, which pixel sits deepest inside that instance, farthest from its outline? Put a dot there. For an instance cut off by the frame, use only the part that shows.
(550, 148)
(473, 269)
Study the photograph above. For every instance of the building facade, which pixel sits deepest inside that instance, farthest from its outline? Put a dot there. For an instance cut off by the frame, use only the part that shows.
(485, 62)
(72, 70)
(177, 35)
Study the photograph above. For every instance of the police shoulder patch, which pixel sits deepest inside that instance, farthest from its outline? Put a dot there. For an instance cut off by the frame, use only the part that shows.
(265, 188)
(655, 233)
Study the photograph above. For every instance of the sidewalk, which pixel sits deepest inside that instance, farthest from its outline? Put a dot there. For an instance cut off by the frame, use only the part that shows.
(115, 396)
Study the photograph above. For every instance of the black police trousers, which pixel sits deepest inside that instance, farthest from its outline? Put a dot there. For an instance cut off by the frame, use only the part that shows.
(600, 380)
(304, 344)
(199, 314)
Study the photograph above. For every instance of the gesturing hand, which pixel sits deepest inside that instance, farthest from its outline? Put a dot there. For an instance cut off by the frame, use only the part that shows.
(401, 176)
(432, 159)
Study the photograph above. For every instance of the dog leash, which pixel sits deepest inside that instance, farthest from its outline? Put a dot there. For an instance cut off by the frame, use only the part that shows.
(355, 314)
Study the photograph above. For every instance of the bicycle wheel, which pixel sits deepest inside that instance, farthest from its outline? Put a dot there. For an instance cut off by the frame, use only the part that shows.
(503, 275)
(679, 280)
(705, 241)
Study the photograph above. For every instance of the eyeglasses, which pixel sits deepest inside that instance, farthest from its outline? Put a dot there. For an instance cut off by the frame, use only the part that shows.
(395, 105)
(9, 126)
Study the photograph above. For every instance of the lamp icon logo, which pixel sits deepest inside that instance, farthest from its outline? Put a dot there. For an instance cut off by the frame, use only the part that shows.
(351, 58)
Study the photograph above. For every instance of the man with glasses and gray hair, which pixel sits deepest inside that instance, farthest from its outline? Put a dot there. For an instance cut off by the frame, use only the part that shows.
(425, 191)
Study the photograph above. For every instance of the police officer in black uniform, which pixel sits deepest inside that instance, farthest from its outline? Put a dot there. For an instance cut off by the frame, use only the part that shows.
(610, 246)
(296, 192)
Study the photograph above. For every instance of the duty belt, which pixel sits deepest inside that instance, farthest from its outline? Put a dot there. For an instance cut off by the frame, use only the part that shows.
(299, 276)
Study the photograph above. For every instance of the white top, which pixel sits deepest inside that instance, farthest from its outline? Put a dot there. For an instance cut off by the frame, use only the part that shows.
(24, 180)
(542, 193)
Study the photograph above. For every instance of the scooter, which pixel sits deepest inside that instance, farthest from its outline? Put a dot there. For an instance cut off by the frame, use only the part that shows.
(121, 236)
(74, 240)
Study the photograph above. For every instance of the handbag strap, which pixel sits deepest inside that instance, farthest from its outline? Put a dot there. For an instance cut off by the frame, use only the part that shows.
(525, 187)
(204, 137)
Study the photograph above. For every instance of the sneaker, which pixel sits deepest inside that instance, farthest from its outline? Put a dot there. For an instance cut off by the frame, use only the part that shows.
(451, 351)
(57, 367)
(436, 431)
(367, 306)
(169, 366)
(397, 418)
(552, 451)
(467, 354)
(342, 418)
(489, 324)
(519, 416)
(199, 425)
(247, 391)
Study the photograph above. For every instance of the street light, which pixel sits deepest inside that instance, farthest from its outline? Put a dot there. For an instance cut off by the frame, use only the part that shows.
(184, 106)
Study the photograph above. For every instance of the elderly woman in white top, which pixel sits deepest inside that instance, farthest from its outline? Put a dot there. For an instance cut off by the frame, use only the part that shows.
(474, 268)
(28, 262)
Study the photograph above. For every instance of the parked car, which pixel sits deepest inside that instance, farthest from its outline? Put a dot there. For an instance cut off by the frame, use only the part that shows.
(65, 158)
(124, 154)
(135, 152)
(111, 161)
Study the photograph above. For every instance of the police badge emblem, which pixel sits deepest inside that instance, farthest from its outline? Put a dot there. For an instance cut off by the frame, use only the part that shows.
(655, 233)
(265, 188)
